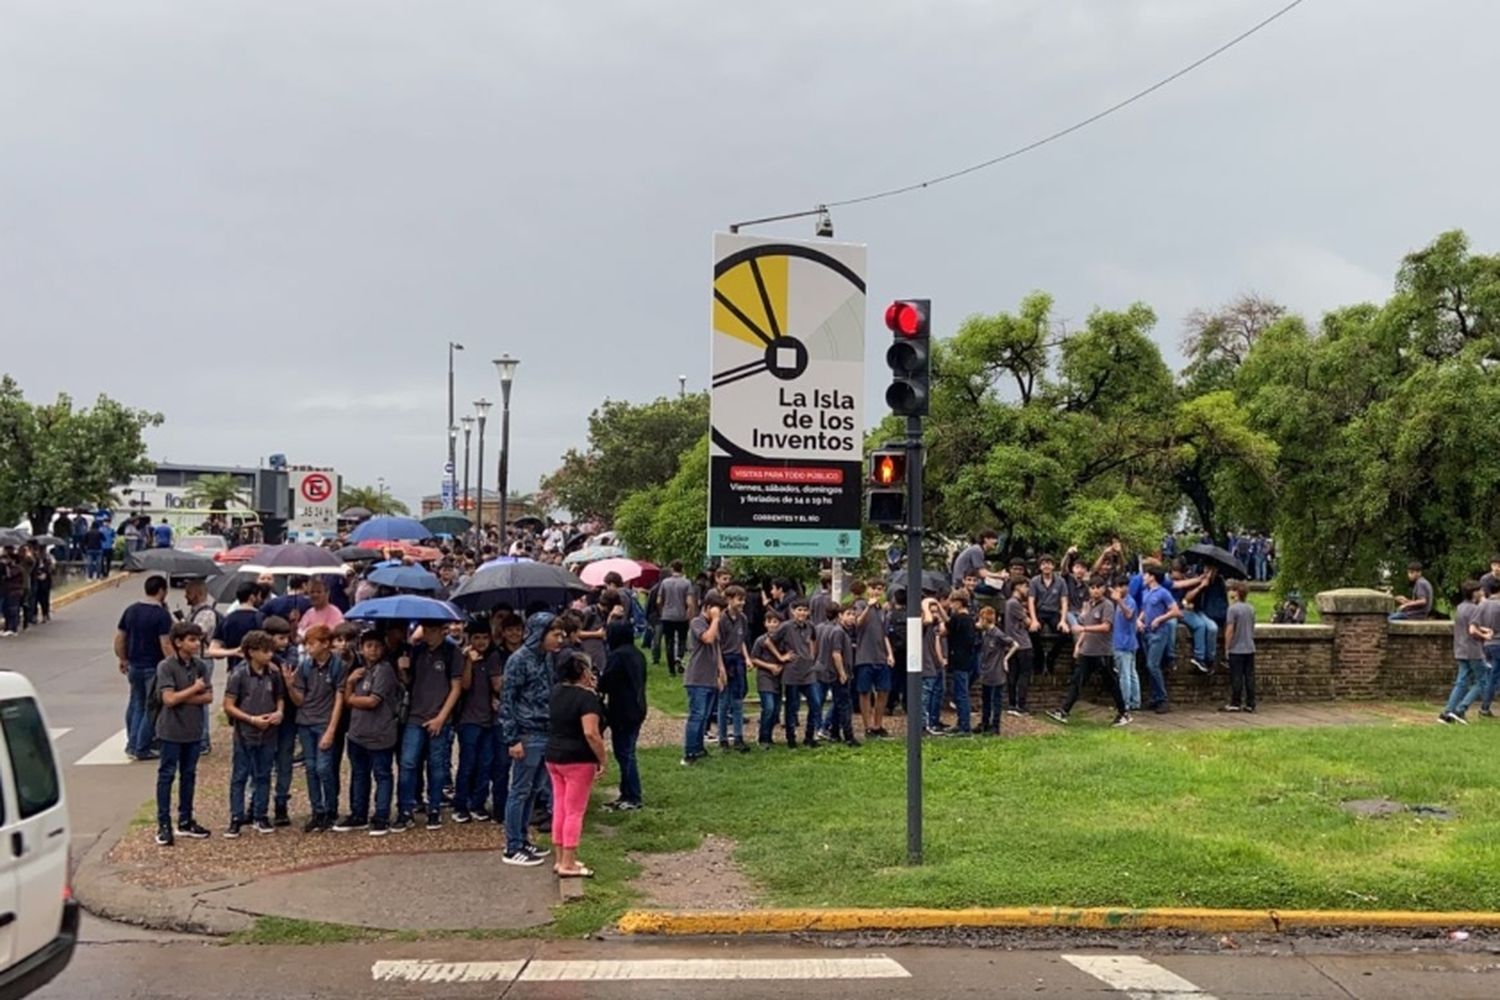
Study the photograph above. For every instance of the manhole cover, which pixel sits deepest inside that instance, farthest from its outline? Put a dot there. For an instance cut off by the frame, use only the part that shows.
(1373, 807)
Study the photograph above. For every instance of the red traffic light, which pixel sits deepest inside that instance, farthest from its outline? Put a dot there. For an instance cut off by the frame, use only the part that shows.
(887, 468)
(906, 319)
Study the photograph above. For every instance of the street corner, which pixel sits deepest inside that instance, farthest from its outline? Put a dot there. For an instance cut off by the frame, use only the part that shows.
(105, 890)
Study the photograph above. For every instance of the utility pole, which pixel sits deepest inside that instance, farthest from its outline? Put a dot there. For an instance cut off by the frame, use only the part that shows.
(451, 477)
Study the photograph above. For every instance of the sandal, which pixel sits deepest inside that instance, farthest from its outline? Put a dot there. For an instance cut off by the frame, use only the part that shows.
(583, 871)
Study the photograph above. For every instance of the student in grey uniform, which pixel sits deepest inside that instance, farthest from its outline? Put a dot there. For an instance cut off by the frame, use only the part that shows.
(934, 663)
(796, 645)
(184, 687)
(315, 690)
(1047, 594)
(373, 693)
(826, 630)
(1468, 649)
(767, 666)
(677, 607)
(1017, 624)
(873, 660)
(1419, 604)
(1095, 629)
(435, 681)
(1488, 617)
(483, 672)
(1239, 644)
(254, 698)
(734, 628)
(995, 648)
(704, 676)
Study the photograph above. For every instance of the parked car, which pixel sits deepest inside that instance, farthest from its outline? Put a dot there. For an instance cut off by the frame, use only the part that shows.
(38, 915)
(204, 545)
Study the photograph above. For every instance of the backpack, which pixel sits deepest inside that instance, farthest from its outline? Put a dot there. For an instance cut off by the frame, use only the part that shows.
(208, 633)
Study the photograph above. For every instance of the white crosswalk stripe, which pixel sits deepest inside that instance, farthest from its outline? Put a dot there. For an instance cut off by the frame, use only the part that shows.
(1136, 977)
(432, 971)
(111, 751)
(58, 734)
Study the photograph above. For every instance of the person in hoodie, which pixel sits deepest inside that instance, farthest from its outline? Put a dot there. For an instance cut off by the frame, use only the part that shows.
(623, 686)
(525, 722)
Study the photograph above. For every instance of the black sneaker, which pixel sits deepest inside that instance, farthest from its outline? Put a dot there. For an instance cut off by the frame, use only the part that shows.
(1162, 709)
(403, 823)
(741, 746)
(1121, 720)
(164, 836)
(233, 830)
(522, 858)
(479, 816)
(1057, 715)
(852, 742)
(542, 820)
(1229, 708)
(190, 828)
(263, 825)
(378, 828)
(461, 817)
(435, 820)
(1199, 665)
(314, 825)
(540, 852)
(351, 823)
(282, 819)
(628, 806)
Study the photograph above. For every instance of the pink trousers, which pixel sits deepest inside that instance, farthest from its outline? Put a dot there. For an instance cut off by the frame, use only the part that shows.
(571, 784)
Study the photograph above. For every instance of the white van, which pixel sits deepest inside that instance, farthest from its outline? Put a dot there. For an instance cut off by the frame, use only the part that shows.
(38, 916)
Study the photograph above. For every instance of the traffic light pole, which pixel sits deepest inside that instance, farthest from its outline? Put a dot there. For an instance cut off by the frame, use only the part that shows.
(915, 715)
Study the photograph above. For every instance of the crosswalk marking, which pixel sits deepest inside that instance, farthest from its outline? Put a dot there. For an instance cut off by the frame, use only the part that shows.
(58, 734)
(1137, 977)
(111, 751)
(432, 971)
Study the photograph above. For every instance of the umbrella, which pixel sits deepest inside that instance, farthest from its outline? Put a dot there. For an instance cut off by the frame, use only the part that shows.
(505, 561)
(404, 578)
(390, 528)
(48, 540)
(1221, 558)
(529, 521)
(171, 562)
(224, 588)
(404, 607)
(636, 574)
(298, 560)
(355, 514)
(418, 553)
(447, 522)
(357, 554)
(933, 583)
(240, 553)
(593, 554)
(519, 585)
(14, 536)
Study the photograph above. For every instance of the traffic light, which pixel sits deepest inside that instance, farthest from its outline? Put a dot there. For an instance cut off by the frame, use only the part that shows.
(887, 494)
(909, 357)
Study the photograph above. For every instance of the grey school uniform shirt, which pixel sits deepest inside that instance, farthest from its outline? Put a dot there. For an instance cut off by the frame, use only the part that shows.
(674, 598)
(993, 645)
(1016, 622)
(703, 661)
(1242, 617)
(931, 641)
(1465, 646)
(478, 706)
(180, 723)
(255, 694)
(317, 685)
(1048, 598)
(869, 635)
(1488, 616)
(1100, 612)
(797, 639)
(765, 681)
(833, 639)
(432, 671)
(376, 728)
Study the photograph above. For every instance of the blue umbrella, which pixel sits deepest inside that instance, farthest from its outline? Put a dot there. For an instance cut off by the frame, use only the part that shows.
(404, 578)
(505, 561)
(389, 528)
(404, 607)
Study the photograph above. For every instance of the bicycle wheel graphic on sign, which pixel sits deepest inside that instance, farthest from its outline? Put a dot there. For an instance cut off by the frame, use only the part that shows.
(786, 318)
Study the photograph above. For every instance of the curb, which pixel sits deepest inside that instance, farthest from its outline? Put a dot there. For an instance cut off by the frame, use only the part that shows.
(722, 923)
(102, 893)
(88, 590)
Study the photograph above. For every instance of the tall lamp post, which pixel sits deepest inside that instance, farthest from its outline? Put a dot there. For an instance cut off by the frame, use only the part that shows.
(481, 411)
(468, 423)
(452, 427)
(505, 366)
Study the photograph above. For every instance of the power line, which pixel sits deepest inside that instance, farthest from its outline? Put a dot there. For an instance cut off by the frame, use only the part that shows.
(1052, 137)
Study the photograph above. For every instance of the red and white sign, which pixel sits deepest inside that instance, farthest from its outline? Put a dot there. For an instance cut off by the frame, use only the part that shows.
(315, 512)
(316, 488)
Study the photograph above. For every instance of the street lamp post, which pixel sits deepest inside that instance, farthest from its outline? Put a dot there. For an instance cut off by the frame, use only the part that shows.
(468, 423)
(481, 411)
(682, 387)
(505, 366)
(380, 492)
(452, 427)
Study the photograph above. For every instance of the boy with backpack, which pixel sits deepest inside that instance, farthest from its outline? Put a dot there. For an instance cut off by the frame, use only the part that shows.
(435, 679)
(180, 692)
(253, 699)
(316, 691)
(374, 696)
(483, 672)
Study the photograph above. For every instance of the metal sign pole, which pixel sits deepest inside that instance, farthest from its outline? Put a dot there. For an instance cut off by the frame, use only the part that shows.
(914, 713)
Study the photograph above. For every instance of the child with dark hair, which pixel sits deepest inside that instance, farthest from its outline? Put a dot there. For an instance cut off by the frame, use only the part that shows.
(1468, 649)
(768, 666)
(995, 651)
(795, 644)
(254, 698)
(1239, 645)
(182, 686)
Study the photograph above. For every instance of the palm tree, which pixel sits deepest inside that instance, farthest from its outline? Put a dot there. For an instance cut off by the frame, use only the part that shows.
(216, 492)
(374, 500)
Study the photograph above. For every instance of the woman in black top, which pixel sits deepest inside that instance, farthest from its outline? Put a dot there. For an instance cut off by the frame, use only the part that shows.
(575, 757)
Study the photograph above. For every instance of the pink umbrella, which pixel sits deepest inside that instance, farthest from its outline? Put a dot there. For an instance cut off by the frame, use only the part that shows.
(632, 571)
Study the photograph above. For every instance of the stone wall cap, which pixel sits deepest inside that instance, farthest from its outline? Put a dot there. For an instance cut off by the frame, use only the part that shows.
(1282, 632)
(1422, 626)
(1355, 601)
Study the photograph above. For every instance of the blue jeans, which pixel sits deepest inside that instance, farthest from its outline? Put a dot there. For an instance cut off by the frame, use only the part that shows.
(364, 764)
(1406, 616)
(932, 700)
(94, 567)
(476, 761)
(770, 708)
(991, 707)
(286, 743)
(252, 764)
(1492, 678)
(732, 699)
(1156, 650)
(140, 731)
(960, 679)
(1205, 636)
(623, 741)
(1466, 686)
(1128, 679)
(792, 708)
(525, 776)
(418, 749)
(322, 768)
(698, 696)
(176, 757)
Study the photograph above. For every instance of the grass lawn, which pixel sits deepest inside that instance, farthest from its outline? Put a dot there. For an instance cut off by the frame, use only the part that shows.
(1091, 816)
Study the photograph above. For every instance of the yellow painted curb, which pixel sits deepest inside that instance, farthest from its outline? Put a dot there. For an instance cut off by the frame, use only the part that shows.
(88, 590)
(682, 923)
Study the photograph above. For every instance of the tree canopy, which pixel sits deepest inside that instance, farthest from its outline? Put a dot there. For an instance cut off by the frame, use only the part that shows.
(372, 499)
(56, 455)
(216, 492)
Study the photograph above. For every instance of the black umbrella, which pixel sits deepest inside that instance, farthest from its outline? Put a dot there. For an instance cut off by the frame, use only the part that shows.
(355, 554)
(299, 559)
(225, 587)
(1222, 558)
(14, 536)
(355, 514)
(170, 562)
(933, 583)
(519, 585)
(529, 521)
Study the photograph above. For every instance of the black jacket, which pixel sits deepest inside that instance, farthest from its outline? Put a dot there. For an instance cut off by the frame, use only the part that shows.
(623, 683)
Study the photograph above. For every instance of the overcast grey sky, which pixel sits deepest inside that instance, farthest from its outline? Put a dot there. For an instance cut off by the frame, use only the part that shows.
(267, 218)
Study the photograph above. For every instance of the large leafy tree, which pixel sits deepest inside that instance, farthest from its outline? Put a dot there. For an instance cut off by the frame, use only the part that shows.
(631, 447)
(1217, 341)
(372, 499)
(1384, 418)
(57, 455)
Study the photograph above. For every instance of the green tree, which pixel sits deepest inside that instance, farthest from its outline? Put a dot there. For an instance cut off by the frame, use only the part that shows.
(55, 455)
(631, 447)
(1217, 341)
(372, 499)
(216, 492)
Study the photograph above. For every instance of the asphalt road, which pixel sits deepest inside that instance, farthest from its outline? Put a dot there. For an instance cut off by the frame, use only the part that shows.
(84, 695)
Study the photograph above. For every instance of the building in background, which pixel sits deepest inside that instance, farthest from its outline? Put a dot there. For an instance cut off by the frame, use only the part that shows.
(285, 502)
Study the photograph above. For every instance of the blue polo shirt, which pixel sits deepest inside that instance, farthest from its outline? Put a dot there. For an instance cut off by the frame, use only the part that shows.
(1124, 636)
(1156, 602)
(163, 536)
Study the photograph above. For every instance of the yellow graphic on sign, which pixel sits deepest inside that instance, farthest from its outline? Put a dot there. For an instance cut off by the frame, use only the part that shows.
(750, 300)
